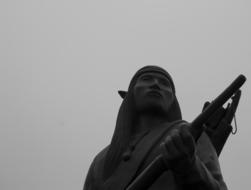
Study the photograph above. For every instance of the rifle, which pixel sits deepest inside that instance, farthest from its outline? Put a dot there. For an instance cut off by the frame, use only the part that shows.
(157, 166)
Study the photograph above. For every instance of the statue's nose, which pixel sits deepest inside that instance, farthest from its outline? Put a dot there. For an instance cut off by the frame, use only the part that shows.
(155, 84)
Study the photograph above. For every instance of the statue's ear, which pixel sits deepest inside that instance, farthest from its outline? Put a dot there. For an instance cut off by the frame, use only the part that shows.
(122, 93)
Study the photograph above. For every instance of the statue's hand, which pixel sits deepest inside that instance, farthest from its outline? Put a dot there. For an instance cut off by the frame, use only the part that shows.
(178, 149)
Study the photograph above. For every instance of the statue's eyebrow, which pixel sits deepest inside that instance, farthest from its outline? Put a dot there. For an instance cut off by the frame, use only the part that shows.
(160, 77)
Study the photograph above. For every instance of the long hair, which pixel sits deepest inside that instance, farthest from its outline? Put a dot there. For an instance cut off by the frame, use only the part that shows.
(126, 119)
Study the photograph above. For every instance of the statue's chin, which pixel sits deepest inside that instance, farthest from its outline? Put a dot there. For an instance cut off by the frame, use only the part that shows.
(154, 109)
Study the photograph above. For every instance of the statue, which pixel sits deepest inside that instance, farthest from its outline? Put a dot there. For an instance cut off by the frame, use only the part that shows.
(150, 123)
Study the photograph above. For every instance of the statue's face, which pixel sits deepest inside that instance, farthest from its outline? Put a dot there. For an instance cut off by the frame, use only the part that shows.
(153, 93)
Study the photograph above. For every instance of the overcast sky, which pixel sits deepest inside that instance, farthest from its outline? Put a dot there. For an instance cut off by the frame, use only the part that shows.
(62, 62)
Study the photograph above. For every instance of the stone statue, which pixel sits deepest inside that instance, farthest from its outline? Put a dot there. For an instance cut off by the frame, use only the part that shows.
(149, 123)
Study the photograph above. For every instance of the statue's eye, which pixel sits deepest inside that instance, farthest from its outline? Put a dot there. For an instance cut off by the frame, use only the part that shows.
(164, 82)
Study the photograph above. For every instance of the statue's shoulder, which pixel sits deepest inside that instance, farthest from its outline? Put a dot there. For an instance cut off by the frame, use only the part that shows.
(101, 155)
(205, 148)
(98, 165)
(99, 159)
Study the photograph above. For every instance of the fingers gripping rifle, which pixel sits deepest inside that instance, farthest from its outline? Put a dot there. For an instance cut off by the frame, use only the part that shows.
(157, 166)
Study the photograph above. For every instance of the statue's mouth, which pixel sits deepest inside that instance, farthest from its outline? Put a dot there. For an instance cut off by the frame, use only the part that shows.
(154, 93)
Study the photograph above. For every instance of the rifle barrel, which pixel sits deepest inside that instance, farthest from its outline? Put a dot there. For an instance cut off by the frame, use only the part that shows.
(196, 124)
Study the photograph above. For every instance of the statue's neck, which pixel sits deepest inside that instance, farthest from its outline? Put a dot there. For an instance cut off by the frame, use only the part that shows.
(146, 122)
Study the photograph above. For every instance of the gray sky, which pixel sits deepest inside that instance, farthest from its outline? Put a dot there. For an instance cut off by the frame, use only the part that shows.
(62, 62)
